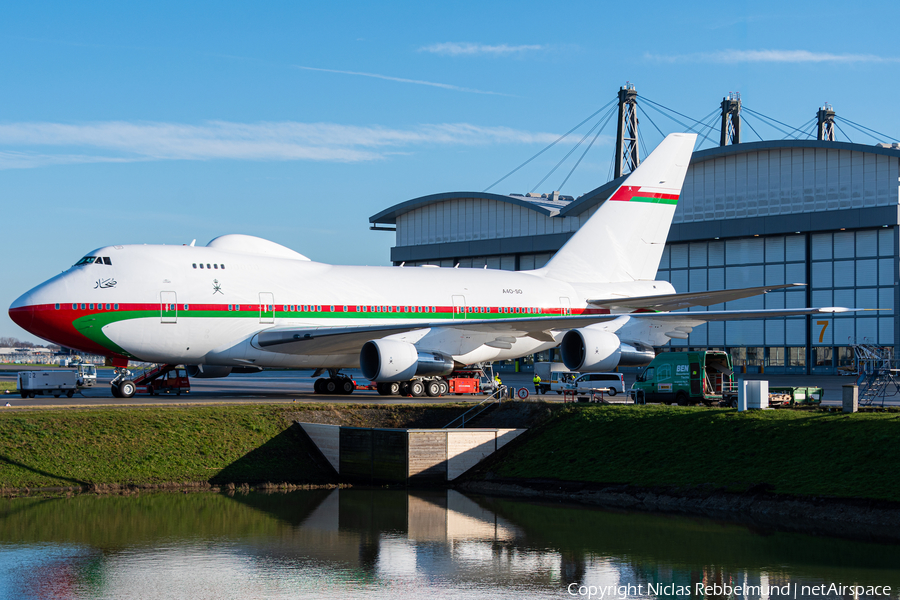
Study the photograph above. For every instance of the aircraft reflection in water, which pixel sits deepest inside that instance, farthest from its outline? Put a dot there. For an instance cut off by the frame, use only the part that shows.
(394, 544)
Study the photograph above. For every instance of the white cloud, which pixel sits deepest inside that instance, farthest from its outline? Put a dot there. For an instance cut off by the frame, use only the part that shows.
(117, 141)
(445, 86)
(770, 56)
(470, 49)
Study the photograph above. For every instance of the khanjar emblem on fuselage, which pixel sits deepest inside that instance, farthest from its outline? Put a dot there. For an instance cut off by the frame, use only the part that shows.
(217, 288)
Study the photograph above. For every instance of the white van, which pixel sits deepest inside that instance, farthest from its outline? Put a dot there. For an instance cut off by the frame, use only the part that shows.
(584, 383)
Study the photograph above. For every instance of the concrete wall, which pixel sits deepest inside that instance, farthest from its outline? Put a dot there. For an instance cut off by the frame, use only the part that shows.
(400, 455)
(327, 439)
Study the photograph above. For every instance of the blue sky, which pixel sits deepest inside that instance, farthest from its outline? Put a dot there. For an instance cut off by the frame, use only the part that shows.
(166, 122)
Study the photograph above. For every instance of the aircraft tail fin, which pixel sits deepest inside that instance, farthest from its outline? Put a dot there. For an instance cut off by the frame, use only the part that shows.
(624, 239)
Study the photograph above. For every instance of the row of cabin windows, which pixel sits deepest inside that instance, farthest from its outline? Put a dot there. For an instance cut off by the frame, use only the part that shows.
(209, 266)
(91, 306)
(318, 308)
(399, 309)
(94, 260)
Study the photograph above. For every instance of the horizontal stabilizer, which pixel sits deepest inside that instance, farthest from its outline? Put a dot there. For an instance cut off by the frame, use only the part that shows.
(669, 302)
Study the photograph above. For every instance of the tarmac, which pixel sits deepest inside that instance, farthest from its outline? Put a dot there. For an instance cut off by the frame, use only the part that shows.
(297, 386)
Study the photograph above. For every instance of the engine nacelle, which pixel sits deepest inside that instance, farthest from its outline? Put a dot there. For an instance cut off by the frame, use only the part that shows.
(635, 354)
(393, 360)
(590, 350)
(207, 371)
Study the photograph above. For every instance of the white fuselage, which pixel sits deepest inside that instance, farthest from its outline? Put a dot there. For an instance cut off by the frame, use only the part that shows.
(155, 303)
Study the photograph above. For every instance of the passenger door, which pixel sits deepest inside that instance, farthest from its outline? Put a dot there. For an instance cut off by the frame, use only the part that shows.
(459, 307)
(168, 307)
(266, 308)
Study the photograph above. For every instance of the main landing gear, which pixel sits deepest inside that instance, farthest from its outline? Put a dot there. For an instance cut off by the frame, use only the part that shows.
(336, 383)
(416, 388)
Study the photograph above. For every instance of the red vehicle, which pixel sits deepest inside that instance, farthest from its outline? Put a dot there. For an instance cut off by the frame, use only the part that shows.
(468, 382)
(165, 381)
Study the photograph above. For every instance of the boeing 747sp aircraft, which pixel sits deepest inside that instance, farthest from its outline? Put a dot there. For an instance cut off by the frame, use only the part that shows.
(244, 303)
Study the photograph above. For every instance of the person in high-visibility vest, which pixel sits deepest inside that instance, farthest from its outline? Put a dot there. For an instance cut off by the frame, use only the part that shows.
(537, 383)
(497, 382)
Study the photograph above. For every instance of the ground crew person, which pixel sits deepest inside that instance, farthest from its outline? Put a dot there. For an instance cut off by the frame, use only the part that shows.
(537, 383)
(497, 381)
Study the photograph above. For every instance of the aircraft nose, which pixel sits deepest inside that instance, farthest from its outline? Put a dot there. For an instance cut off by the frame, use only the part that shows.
(22, 314)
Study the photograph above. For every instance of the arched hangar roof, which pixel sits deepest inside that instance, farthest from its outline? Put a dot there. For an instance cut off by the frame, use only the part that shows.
(550, 208)
(544, 206)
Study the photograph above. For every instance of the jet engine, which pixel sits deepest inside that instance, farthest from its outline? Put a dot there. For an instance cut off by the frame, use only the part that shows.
(213, 371)
(393, 360)
(596, 350)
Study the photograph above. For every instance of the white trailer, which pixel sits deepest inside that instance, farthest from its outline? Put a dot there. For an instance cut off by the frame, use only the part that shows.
(57, 382)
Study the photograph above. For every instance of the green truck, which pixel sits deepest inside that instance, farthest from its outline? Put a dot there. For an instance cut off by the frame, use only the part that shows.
(687, 378)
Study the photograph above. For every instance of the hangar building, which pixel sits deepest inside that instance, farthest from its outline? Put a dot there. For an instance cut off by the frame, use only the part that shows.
(818, 212)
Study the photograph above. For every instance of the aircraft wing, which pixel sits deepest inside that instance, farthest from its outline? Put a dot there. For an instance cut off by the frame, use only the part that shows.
(669, 302)
(340, 340)
(344, 340)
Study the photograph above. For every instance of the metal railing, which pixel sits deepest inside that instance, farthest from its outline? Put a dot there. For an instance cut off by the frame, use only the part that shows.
(492, 400)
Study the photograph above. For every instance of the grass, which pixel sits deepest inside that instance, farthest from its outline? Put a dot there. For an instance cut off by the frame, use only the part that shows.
(786, 452)
(152, 445)
(10, 386)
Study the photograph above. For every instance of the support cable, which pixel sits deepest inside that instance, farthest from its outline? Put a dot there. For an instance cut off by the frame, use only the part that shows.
(849, 122)
(646, 114)
(711, 129)
(559, 139)
(583, 154)
(752, 128)
(843, 133)
(569, 153)
(685, 126)
(805, 125)
(646, 99)
(759, 114)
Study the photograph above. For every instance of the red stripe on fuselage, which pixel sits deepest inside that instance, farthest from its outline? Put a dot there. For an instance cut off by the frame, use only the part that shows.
(56, 324)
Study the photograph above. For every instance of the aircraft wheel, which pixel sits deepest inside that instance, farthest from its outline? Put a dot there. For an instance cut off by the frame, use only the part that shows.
(114, 388)
(347, 386)
(319, 386)
(330, 386)
(382, 388)
(127, 388)
(433, 388)
(445, 387)
(416, 388)
(404, 388)
(70, 393)
(393, 388)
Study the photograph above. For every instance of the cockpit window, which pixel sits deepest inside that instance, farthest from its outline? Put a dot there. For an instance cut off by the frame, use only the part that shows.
(94, 260)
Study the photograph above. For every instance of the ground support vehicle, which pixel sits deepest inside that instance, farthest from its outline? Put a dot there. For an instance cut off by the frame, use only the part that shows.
(688, 378)
(554, 376)
(87, 373)
(608, 383)
(789, 397)
(55, 382)
(172, 381)
(156, 379)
